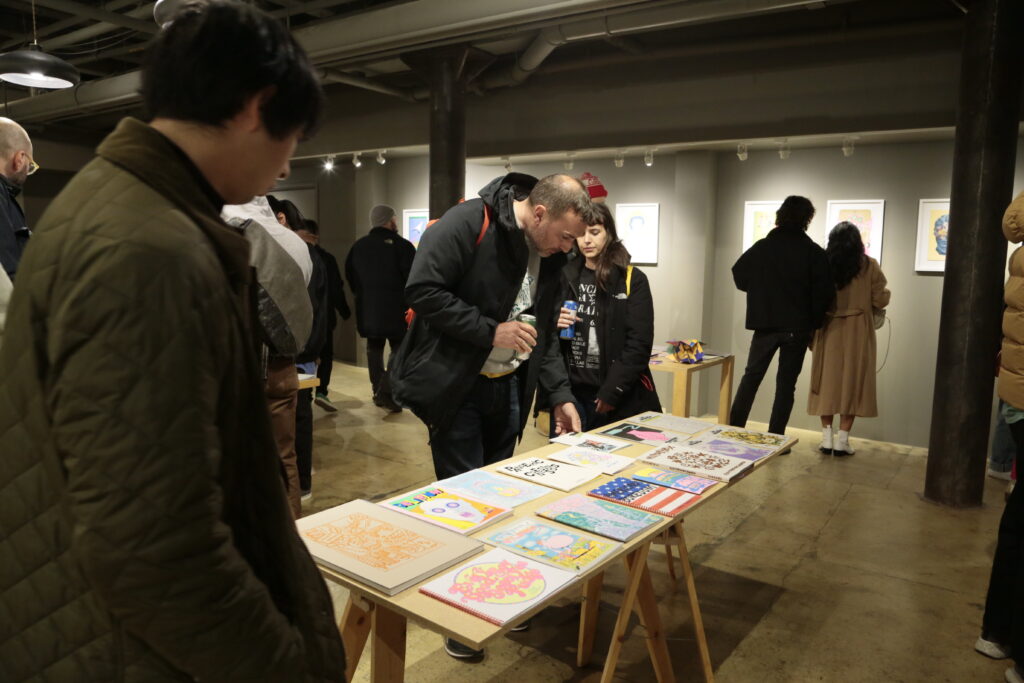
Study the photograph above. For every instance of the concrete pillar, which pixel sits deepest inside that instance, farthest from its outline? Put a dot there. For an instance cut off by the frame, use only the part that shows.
(969, 329)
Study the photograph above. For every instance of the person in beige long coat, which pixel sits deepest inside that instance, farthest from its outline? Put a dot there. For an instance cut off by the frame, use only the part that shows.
(843, 362)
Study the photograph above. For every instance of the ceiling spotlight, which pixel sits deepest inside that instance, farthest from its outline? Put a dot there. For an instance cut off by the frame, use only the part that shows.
(649, 158)
(784, 150)
(329, 163)
(569, 162)
(620, 159)
(741, 151)
(380, 157)
(355, 160)
(848, 147)
(508, 164)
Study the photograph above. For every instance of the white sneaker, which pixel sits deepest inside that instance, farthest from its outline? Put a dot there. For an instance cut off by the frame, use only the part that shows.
(992, 649)
(842, 444)
(1012, 676)
(826, 440)
(998, 474)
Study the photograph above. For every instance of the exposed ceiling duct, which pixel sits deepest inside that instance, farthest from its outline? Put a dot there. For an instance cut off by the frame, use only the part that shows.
(423, 24)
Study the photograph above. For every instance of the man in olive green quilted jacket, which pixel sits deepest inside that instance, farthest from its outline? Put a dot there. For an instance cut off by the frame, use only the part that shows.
(144, 530)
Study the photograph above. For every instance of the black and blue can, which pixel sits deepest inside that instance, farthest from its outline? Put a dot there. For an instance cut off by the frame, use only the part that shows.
(569, 332)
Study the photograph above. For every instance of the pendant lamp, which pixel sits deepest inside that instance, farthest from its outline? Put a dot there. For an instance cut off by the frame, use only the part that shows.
(34, 68)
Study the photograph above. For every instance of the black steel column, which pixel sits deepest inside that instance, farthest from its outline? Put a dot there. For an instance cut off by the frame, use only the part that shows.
(447, 130)
(969, 330)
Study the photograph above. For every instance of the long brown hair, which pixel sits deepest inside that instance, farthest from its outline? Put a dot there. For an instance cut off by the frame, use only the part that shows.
(614, 254)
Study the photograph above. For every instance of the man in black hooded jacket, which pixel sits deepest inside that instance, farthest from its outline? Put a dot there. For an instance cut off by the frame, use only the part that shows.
(468, 367)
(463, 368)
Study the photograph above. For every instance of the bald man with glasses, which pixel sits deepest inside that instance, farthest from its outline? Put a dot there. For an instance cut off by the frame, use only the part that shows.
(16, 165)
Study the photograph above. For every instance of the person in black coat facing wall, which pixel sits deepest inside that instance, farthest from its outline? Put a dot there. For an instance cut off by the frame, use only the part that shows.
(789, 288)
(607, 359)
(377, 267)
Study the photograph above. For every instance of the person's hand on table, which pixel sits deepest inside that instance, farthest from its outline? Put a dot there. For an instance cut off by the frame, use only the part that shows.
(566, 418)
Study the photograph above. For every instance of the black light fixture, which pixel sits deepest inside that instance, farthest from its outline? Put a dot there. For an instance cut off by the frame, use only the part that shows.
(34, 68)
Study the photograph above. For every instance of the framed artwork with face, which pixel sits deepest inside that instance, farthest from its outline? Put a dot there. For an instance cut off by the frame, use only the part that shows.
(637, 225)
(932, 235)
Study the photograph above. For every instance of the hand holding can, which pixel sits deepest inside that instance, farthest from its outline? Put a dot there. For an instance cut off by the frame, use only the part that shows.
(570, 331)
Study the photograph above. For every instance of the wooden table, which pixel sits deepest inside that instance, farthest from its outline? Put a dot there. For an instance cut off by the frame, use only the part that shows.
(681, 385)
(385, 617)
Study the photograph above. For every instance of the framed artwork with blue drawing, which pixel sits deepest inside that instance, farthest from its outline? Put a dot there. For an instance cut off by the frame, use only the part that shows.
(637, 225)
(414, 222)
(932, 235)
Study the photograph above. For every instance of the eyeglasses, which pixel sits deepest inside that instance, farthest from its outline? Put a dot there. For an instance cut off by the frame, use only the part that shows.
(32, 165)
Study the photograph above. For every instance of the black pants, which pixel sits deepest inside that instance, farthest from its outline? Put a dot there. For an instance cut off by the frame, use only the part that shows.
(1004, 605)
(485, 429)
(323, 371)
(304, 439)
(791, 347)
(375, 359)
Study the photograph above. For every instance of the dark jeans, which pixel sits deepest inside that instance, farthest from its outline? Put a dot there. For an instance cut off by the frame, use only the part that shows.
(1004, 605)
(304, 439)
(583, 399)
(323, 371)
(375, 359)
(791, 347)
(484, 430)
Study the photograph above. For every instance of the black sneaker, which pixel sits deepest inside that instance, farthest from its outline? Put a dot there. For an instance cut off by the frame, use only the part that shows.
(388, 403)
(460, 651)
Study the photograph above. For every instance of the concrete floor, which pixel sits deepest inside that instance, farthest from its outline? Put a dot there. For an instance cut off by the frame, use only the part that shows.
(812, 569)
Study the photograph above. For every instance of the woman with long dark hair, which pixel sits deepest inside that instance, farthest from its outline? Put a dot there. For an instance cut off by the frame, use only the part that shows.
(843, 365)
(613, 328)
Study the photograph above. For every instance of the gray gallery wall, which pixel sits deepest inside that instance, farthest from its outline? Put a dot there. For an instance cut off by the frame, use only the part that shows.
(901, 174)
(701, 196)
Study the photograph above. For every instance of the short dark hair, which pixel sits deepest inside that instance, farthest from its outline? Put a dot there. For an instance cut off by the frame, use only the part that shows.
(292, 215)
(214, 57)
(795, 212)
(312, 226)
(560, 193)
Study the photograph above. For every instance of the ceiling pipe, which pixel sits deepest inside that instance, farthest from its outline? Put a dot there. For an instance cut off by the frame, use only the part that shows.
(95, 30)
(87, 32)
(362, 35)
(89, 12)
(335, 76)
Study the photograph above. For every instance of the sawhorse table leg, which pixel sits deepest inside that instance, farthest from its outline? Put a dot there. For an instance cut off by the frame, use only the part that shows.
(647, 609)
(691, 591)
(588, 618)
(387, 653)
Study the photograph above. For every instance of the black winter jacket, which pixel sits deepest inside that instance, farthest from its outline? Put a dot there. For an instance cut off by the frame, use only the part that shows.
(788, 282)
(14, 233)
(320, 297)
(377, 268)
(460, 291)
(335, 288)
(625, 332)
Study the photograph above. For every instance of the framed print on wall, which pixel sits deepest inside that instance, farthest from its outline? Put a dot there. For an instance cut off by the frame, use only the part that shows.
(758, 220)
(414, 222)
(932, 235)
(637, 225)
(867, 214)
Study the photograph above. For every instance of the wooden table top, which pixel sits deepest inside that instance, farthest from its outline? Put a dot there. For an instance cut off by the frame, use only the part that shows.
(475, 632)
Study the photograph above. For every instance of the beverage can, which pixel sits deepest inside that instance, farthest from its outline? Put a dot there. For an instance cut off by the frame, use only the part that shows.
(530, 320)
(569, 332)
